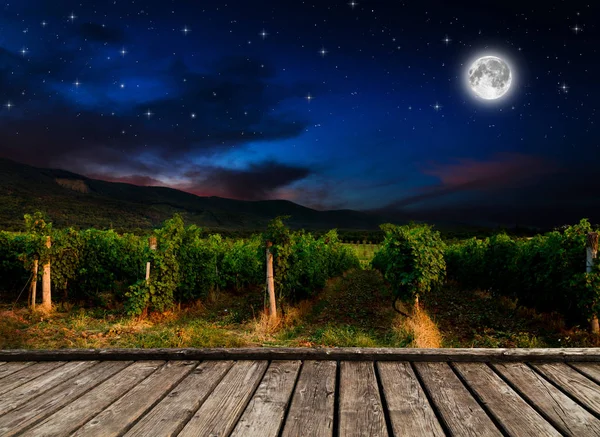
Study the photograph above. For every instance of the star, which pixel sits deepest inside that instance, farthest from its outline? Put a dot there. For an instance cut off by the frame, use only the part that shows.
(76, 83)
(576, 29)
(72, 17)
(437, 106)
(352, 4)
(122, 86)
(264, 34)
(309, 97)
(323, 52)
(447, 40)
(186, 30)
(148, 114)
(193, 115)
(564, 87)
(123, 52)
(23, 51)
(9, 105)
(44, 24)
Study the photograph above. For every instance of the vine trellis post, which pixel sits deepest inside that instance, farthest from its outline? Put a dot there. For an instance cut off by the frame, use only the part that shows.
(592, 253)
(46, 282)
(271, 282)
(152, 243)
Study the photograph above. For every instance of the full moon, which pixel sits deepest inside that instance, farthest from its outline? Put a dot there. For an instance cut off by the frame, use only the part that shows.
(490, 77)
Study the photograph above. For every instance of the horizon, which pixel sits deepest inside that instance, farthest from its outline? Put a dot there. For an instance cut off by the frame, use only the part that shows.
(365, 106)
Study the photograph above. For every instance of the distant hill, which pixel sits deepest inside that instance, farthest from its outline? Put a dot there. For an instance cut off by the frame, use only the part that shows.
(71, 199)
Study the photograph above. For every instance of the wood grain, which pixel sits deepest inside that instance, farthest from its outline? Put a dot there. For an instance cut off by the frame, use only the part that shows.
(27, 374)
(517, 417)
(10, 368)
(407, 405)
(565, 414)
(360, 408)
(264, 414)
(460, 411)
(78, 412)
(591, 370)
(25, 392)
(581, 388)
(220, 412)
(43, 406)
(170, 415)
(336, 354)
(312, 409)
(120, 415)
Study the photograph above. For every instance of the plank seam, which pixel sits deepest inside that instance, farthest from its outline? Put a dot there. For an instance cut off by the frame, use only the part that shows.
(164, 395)
(429, 398)
(335, 429)
(384, 404)
(18, 370)
(242, 410)
(527, 400)
(116, 400)
(591, 378)
(44, 417)
(25, 381)
(184, 423)
(45, 388)
(289, 403)
(482, 404)
(565, 392)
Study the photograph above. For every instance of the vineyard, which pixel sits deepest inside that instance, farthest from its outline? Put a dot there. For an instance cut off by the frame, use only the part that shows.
(107, 271)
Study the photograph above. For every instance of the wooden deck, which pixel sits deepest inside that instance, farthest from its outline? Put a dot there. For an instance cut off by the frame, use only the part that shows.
(300, 392)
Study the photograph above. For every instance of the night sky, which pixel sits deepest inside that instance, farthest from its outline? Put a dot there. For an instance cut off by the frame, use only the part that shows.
(331, 104)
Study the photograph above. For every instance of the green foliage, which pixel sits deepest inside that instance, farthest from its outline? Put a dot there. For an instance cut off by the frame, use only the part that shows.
(411, 259)
(303, 263)
(545, 272)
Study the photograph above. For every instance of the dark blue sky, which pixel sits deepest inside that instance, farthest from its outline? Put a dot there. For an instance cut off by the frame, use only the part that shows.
(331, 104)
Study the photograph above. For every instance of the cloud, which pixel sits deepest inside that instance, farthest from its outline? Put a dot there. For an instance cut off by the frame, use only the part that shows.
(260, 181)
(229, 105)
(507, 171)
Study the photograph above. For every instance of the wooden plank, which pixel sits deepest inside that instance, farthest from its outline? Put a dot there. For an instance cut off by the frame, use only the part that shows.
(407, 405)
(312, 409)
(582, 389)
(11, 368)
(591, 370)
(460, 411)
(515, 415)
(119, 416)
(78, 412)
(565, 414)
(27, 374)
(2, 363)
(264, 415)
(169, 416)
(39, 408)
(336, 354)
(360, 408)
(24, 393)
(220, 412)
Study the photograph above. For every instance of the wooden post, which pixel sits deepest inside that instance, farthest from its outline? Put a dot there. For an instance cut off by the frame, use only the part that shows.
(46, 284)
(152, 243)
(271, 282)
(592, 253)
(33, 286)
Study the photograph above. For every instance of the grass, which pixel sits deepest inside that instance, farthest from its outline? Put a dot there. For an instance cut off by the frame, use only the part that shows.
(365, 252)
(352, 311)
